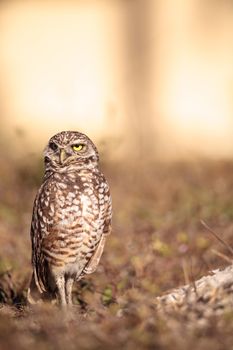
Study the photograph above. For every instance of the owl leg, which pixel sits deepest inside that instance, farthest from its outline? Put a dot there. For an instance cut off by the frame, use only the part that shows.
(60, 283)
(68, 287)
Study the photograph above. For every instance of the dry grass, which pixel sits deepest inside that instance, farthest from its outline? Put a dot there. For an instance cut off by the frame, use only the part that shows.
(157, 244)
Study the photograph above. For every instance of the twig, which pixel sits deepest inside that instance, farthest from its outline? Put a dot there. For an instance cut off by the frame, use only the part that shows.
(193, 280)
(185, 271)
(221, 255)
(226, 245)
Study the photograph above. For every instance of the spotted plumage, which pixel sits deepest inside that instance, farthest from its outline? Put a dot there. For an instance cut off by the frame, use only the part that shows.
(71, 217)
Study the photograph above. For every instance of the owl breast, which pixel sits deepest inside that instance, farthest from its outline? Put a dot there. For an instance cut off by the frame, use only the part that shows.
(73, 214)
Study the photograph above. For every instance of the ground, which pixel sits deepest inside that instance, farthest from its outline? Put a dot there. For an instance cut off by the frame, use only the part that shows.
(158, 243)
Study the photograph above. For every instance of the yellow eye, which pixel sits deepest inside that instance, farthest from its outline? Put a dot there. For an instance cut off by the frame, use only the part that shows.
(77, 147)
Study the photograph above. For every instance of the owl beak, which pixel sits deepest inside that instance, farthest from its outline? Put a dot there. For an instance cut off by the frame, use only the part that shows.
(63, 156)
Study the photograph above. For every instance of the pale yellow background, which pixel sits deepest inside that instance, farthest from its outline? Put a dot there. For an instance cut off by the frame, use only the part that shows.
(153, 76)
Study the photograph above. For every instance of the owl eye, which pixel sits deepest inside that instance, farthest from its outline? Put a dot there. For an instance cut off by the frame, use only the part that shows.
(53, 146)
(77, 147)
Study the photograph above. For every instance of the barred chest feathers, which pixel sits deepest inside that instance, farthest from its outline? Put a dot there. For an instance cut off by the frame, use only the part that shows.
(76, 204)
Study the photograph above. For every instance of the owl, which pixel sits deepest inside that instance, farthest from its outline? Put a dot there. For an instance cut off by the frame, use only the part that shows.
(71, 217)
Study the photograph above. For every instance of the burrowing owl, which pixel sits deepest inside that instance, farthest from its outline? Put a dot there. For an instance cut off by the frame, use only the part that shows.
(71, 217)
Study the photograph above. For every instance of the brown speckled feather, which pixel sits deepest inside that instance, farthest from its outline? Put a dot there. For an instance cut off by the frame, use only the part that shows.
(71, 219)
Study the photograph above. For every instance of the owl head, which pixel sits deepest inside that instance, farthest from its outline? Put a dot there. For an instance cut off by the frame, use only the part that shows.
(69, 149)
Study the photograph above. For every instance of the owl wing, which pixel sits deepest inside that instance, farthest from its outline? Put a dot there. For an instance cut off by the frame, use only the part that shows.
(35, 289)
(94, 261)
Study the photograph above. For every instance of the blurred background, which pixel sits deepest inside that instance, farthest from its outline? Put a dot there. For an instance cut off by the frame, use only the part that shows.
(158, 74)
(151, 82)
